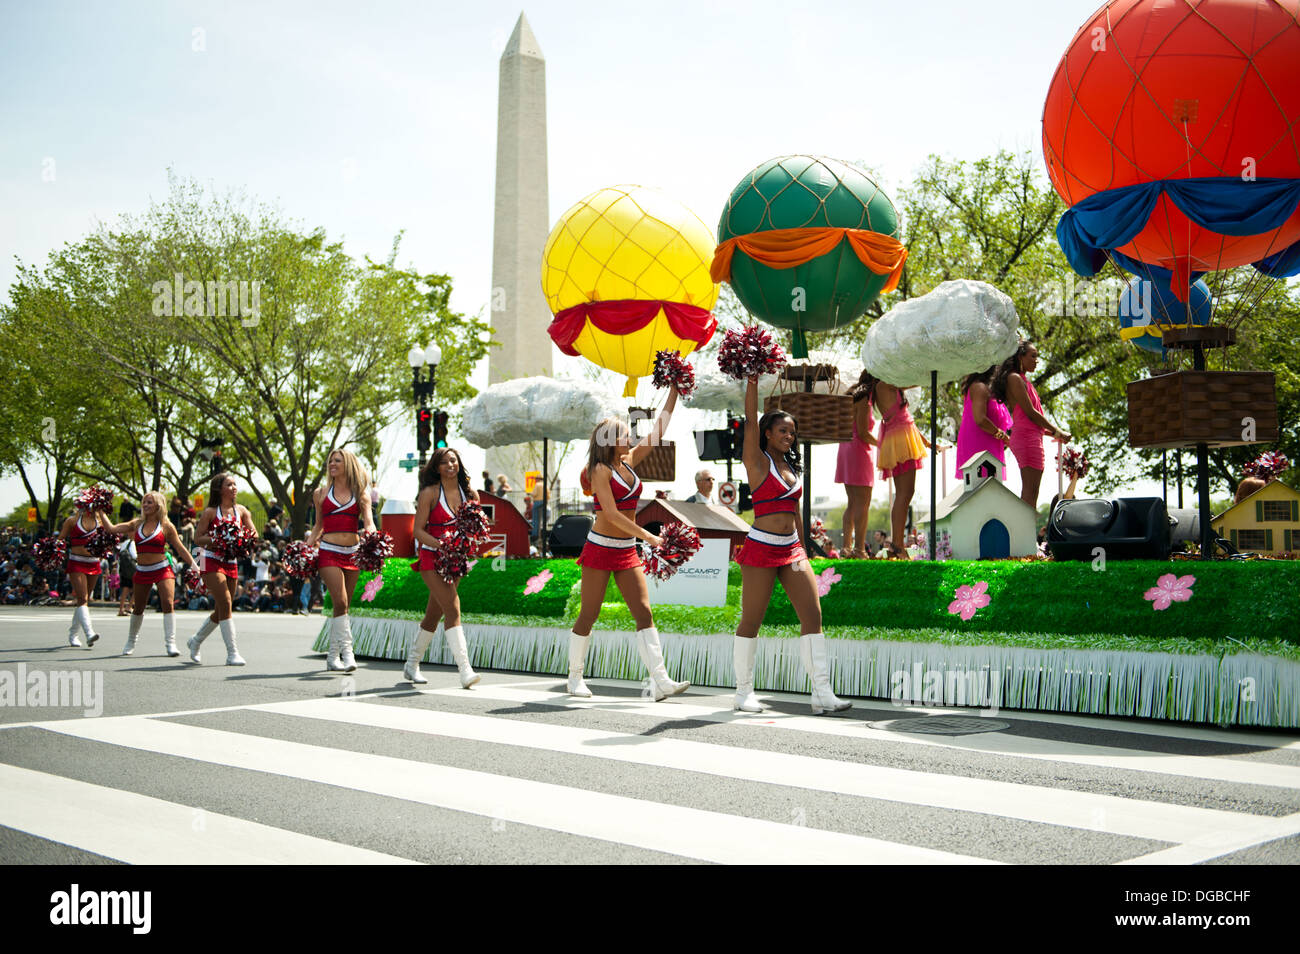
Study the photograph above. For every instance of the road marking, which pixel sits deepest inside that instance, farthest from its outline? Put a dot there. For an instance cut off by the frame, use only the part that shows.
(689, 832)
(142, 830)
(1237, 771)
(1216, 844)
(1110, 814)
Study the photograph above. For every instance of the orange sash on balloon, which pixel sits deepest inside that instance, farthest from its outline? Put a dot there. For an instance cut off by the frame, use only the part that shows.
(786, 248)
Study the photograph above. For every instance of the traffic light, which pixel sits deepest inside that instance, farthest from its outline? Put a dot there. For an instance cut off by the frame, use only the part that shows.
(439, 429)
(423, 417)
(737, 437)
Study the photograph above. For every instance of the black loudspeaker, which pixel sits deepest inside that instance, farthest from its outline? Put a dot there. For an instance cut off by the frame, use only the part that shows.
(1128, 528)
(567, 536)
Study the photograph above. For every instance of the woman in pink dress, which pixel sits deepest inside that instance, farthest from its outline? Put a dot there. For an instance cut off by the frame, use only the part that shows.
(1028, 425)
(985, 421)
(855, 470)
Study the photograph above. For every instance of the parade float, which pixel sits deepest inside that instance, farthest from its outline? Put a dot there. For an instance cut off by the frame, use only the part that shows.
(1168, 132)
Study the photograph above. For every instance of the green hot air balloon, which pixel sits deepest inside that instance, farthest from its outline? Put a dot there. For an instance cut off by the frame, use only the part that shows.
(808, 243)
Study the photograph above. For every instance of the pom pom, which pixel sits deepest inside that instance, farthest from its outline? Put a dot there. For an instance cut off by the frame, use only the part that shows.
(375, 548)
(50, 553)
(198, 589)
(1073, 463)
(450, 562)
(744, 354)
(472, 526)
(299, 560)
(672, 371)
(94, 498)
(102, 543)
(680, 543)
(1268, 466)
(232, 540)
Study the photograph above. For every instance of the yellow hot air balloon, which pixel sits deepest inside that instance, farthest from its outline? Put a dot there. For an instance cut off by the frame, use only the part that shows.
(626, 273)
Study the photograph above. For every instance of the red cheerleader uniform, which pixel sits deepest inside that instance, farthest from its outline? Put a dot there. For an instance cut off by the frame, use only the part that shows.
(151, 562)
(762, 548)
(614, 553)
(337, 518)
(439, 525)
(78, 536)
(212, 562)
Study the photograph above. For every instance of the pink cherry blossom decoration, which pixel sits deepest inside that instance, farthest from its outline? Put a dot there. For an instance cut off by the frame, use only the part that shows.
(536, 583)
(827, 578)
(372, 588)
(969, 599)
(1170, 589)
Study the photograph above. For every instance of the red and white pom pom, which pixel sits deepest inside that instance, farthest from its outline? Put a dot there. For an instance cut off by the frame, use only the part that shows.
(1268, 466)
(50, 553)
(744, 354)
(299, 560)
(680, 543)
(472, 525)
(450, 561)
(232, 540)
(671, 370)
(1073, 463)
(374, 549)
(198, 589)
(102, 543)
(94, 498)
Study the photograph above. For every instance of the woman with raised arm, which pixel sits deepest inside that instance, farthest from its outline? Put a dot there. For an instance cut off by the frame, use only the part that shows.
(444, 489)
(611, 549)
(153, 533)
(1013, 388)
(772, 552)
(340, 507)
(220, 575)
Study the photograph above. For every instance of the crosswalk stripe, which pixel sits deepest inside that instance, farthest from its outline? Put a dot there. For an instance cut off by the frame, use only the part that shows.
(139, 829)
(992, 743)
(688, 832)
(1217, 844)
(1053, 806)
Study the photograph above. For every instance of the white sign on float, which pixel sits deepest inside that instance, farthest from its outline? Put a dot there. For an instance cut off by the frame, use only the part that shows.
(700, 582)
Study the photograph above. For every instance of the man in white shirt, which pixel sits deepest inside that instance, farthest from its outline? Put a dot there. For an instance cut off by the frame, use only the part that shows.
(703, 488)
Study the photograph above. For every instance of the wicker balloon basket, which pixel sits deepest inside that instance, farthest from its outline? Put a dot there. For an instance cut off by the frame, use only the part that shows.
(660, 465)
(1218, 408)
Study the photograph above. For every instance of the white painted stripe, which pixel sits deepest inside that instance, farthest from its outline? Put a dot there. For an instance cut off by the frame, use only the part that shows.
(1216, 768)
(1052, 806)
(142, 830)
(689, 832)
(1217, 844)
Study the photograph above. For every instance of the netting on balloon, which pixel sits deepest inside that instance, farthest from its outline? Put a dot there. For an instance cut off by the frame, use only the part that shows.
(801, 173)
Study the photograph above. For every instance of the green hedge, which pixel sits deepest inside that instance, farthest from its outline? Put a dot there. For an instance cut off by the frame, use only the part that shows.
(1247, 601)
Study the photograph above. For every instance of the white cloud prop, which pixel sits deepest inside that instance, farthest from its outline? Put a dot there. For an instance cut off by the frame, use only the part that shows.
(961, 327)
(716, 391)
(529, 409)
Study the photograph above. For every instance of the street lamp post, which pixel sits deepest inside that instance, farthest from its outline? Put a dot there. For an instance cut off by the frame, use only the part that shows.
(422, 387)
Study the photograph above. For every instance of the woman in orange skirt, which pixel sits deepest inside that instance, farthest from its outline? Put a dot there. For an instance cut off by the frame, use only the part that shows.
(901, 453)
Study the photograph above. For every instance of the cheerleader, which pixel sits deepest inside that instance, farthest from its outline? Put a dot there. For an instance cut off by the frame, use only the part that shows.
(444, 488)
(901, 454)
(220, 576)
(83, 569)
(1013, 388)
(152, 568)
(772, 552)
(339, 508)
(611, 549)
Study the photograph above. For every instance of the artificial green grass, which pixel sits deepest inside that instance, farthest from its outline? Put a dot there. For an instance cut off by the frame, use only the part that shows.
(1035, 603)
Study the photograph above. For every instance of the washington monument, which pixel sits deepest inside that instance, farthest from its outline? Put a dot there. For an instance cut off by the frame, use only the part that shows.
(519, 312)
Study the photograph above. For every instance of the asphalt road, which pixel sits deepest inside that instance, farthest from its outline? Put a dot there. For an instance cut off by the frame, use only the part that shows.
(281, 761)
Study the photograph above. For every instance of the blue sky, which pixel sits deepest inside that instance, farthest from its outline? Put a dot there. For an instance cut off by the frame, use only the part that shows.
(372, 119)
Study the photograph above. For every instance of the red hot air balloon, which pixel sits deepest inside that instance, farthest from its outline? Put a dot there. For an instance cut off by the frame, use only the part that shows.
(1170, 130)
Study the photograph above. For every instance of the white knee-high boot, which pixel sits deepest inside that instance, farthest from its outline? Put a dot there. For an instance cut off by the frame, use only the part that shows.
(414, 653)
(455, 637)
(578, 659)
(647, 643)
(133, 633)
(83, 619)
(345, 645)
(73, 638)
(812, 652)
(743, 653)
(169, 634)
(332, 659)
(195, 641)
(228, 636)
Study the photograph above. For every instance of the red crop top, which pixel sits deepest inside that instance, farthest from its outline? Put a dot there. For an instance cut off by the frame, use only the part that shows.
(774, 495)
(78, 536)
(625, 497)
(338, 518)
(153, 544)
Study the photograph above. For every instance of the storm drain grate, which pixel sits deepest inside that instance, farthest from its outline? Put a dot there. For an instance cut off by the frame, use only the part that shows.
(942, 725)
